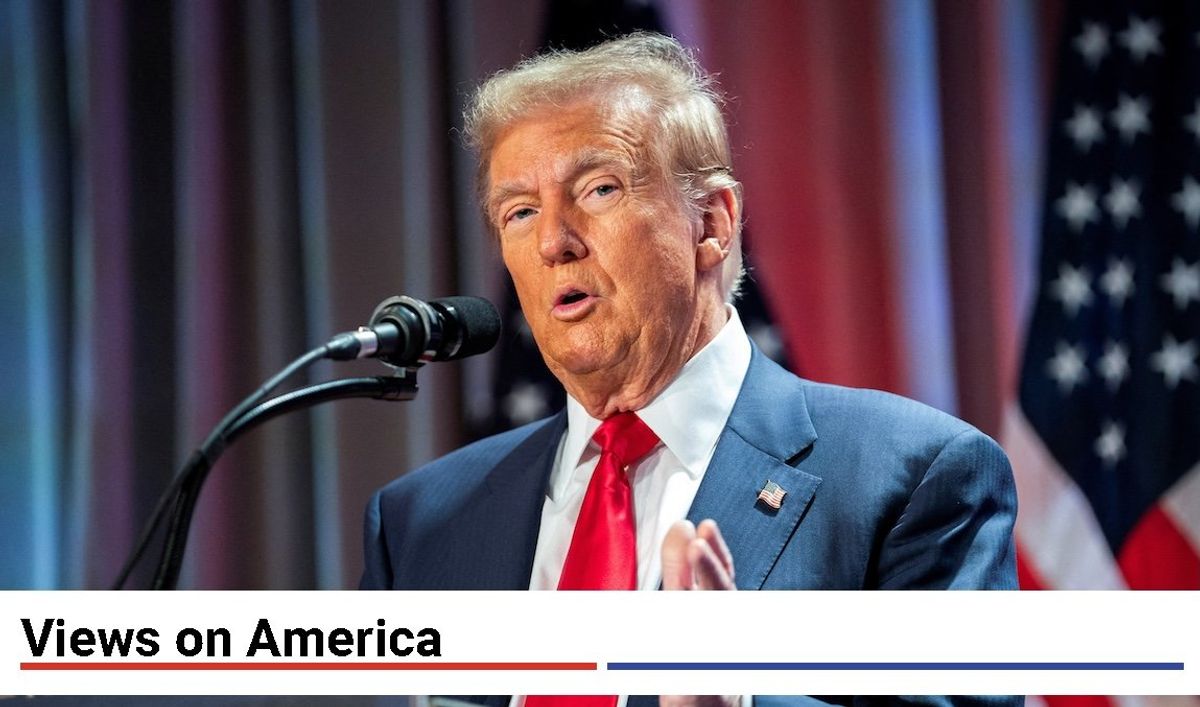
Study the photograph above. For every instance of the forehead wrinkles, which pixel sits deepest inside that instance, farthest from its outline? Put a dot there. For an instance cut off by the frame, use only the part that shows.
(617, 146)
(591, 157)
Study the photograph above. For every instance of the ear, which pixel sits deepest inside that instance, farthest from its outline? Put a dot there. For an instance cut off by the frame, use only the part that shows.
(716, 237)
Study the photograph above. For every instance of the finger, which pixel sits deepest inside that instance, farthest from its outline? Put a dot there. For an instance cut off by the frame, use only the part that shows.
(710, 532)
(707, 570)
(676, 570)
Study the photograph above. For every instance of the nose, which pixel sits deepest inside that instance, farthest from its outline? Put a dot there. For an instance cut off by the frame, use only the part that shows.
(559, 239)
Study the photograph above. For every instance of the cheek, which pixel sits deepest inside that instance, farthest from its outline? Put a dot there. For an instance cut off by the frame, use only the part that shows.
(524, 279)
(517, 262)
(657, 242)
(665, 266)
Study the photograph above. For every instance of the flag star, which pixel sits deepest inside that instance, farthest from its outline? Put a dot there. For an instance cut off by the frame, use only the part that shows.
(1072, 288)
(1187, 201)
(1192, 121)
(1117, 281)
(1085, 127)
(525, 403)
(1067, 367)
(1175, 361)
(1092, 43)
(767, 339)
(1114, 364)
(1140, 37)
(1110, 445)
(1183, 282)
(1078, 205)
(1122, 201)
(1131, 116)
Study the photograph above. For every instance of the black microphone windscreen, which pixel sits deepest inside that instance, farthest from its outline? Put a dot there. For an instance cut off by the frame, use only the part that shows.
(478, 320)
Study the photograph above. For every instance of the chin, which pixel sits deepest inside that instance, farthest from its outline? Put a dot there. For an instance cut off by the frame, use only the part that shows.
(580, 350)
(576, 364)
(583, 358)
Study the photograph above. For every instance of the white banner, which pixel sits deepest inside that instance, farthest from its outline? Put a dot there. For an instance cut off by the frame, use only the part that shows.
(599, 643)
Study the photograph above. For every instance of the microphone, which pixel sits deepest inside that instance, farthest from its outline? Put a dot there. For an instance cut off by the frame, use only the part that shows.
(405, 332)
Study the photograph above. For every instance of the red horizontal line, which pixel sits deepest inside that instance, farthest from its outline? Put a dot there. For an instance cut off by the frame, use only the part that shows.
(148, 665)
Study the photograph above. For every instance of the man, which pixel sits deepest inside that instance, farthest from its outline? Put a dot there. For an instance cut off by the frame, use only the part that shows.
(685, 458)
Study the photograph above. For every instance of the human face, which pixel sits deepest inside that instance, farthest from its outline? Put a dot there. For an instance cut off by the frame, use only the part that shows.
(602, 253)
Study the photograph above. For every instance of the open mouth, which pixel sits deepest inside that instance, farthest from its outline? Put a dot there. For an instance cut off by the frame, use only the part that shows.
(573, 304)
(572, 297)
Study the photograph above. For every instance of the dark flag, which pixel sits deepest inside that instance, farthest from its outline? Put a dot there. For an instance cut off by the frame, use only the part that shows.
(1108, 460)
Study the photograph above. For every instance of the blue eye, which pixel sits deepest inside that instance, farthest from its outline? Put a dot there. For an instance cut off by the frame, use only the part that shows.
(604, 189)
(521, 214)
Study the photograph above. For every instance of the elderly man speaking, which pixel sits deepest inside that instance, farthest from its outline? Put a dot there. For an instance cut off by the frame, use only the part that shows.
(684, 458)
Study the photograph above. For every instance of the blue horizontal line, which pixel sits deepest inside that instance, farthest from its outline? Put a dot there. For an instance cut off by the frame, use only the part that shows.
(895, 666)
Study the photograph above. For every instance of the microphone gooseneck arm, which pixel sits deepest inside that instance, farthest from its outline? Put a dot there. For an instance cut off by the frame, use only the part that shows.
(203, 455)
(404, 333)
(377, 387)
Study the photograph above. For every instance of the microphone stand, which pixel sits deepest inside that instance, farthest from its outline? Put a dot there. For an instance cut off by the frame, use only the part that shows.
(396, 387)
(183, 493)
(404, 333)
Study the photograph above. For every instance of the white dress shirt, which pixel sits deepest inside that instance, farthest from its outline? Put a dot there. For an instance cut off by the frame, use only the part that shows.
(688, 417)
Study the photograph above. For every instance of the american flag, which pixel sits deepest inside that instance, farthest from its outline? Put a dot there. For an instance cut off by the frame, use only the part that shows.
(1106, 441)
(772, 495)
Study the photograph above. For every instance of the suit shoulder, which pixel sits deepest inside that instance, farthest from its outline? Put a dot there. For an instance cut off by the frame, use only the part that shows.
(891, 424)
(866, 410)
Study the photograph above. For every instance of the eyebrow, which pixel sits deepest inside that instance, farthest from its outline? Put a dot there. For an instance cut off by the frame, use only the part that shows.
(503, 193)
(593, 157)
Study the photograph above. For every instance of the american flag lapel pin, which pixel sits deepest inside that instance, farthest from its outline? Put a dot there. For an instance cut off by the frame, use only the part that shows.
(772, 494)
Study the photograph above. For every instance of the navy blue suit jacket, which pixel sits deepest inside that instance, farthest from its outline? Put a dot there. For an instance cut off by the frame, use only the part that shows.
(882, 493)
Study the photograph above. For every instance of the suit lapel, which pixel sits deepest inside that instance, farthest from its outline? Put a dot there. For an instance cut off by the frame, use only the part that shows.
(768, 430)
(500, 533)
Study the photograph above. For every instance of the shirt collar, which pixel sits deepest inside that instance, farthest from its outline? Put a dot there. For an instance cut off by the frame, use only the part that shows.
(688, 415)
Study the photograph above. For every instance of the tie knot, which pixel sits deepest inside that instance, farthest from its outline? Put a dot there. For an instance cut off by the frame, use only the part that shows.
(626, 437)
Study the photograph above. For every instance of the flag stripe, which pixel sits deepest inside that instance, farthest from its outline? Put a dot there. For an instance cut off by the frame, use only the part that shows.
(1027, 578)
(1056, 529)
(1182, 506)
(1077, 701)
(1158, 556)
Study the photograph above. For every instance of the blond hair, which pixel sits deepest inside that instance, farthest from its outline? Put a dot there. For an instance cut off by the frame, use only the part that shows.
(689, 137)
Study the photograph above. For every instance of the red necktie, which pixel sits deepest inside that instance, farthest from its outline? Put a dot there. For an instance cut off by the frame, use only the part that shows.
(603, 552)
